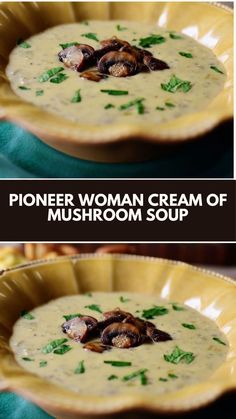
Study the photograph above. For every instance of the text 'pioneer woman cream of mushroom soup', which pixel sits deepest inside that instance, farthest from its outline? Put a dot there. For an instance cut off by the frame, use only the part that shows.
(123, 71)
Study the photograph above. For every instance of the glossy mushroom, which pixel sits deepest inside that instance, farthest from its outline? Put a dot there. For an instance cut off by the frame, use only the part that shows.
(154, 64)
(77, 57)
(96, 347)
(121, 335)
(118, 64)
(80, 328)
(93, 75)
(157, 335)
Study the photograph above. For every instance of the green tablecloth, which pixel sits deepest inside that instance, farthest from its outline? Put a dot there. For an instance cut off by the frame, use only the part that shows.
(15, 407)
(23, 155)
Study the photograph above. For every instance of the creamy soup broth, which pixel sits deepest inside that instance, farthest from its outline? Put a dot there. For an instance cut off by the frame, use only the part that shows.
(203, 70)
(204, 340)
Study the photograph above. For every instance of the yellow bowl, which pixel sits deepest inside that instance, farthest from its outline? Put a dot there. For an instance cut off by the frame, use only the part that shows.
(209, 24)
(36, 283)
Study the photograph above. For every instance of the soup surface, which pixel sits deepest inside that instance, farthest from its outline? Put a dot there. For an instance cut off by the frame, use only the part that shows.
(197, 347)
(194, 77)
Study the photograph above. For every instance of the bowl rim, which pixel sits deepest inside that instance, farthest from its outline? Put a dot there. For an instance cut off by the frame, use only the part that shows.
(132, 404)
(158, 134)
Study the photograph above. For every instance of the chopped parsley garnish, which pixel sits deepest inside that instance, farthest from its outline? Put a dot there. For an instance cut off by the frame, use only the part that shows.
(153, 312)
(123, 299)
(80, 369)
(109, 106)
(39, 92)
(77, 97)
(218, 340)
(176, 84)
(27, 315)
(178, 355)
(68, 44)
(115, 92)
(137, 103)
(172, 376)
(140, 373)
(49, 73)
(174, 35)
(26, 358)
(163, 379)
(112, 377)
(185, 54)
(176, 307)
(159, 108)
(118, 363)
(59, 78)
(213, 67)
(71, 316)
(62, 349)
(169, 105)
(94, 307)
(53, 345)
(91, 35)
(189, 326)
(24, 88)
(151, 40)
(23, 44)
(120, 28)
(43, 364)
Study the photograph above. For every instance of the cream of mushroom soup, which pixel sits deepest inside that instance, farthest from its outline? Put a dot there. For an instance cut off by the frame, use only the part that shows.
(179, 346)
(188, 78)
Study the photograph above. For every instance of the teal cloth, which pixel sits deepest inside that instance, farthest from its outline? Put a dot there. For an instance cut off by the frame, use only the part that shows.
(15, 407)
(23, 155)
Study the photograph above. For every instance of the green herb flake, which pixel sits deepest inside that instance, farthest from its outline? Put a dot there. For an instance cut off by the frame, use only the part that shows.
(163, 379)
(27, 315)
(174, 35)
(159, 108)
(169, 105)
(61, 350)
(118, 363)
(189, 326)
(151, 40)
(135, 374)
(68, 44)
(176, 307)
(91, 35)
(53, 345)
(123, 299)
(71, 316)
(39, 92)
(120, 28)
(43, 364)
(143, 378)
(130, 104)
(175, 84)
(173, 376)
(23, 44)
(59, 78)
(80, 369)
(26, 358)
(140, 107)
(77, 97)
(94, 307)
(49, 73)
(178, 355)
(109, 106)
(115, 92)
(213, 67)
(218, 340)
(24, 88)
(112, 377)
(155, 311)
(185, 54)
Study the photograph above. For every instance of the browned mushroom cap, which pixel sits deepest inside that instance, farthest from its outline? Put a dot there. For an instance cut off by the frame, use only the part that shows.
(121, 335)
(96, 347)
(157, 335)
(154, 64)
(138, 53)
(114, 316)
(93, 75)
(79, 328)
(114, 43)
(77, 57)
(118, 64)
